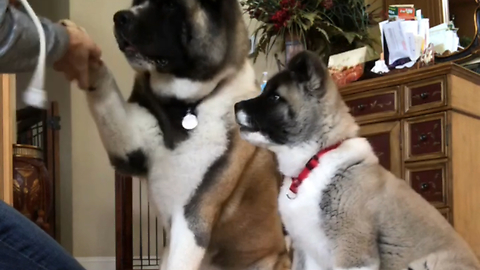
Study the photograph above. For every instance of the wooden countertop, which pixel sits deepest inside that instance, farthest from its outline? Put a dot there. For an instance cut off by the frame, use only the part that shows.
(409, 76)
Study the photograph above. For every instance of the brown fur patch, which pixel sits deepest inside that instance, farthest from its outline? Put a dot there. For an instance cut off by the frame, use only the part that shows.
(241, 208)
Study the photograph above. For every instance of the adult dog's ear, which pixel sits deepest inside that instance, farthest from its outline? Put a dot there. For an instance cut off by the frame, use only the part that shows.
(307, 68)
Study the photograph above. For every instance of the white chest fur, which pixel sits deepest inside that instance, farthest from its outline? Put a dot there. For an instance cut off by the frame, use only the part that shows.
(175, 175)
(302, 219)
(302, 216)
(135, 142)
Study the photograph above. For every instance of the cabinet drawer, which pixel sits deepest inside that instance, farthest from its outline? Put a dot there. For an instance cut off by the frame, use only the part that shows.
(425, 95)
(373, 105)
(429, 179)
(384, 138)
(424, 137)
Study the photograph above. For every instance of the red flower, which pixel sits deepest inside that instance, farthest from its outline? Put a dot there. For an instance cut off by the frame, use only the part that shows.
(282, 16)
(327, 4)
(289, 4)
(255, 14)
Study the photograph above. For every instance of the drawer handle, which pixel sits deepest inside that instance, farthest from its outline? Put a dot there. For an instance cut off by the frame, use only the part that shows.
(424, 186)
(423, 138)
(424, 95)
(361, 107)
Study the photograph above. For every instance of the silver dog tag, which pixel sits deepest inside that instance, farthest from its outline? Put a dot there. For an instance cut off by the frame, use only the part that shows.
(189, 121)
(291, 195)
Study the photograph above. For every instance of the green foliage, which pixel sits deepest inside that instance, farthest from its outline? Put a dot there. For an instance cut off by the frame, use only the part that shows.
(324, 26)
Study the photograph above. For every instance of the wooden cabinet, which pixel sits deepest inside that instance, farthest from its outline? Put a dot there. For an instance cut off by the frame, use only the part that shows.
(424, 126)
(446, 214)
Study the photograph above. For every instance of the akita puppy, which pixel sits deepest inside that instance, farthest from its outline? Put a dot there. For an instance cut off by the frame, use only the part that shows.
(342, 209)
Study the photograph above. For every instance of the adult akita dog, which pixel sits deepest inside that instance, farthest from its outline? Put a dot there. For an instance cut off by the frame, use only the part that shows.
(216, 195)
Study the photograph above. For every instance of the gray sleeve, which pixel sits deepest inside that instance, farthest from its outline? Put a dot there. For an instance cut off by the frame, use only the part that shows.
(19, 44)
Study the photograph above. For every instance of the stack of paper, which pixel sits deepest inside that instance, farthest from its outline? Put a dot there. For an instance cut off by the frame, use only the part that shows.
(405, 38)
(444, 38)
(406, 35)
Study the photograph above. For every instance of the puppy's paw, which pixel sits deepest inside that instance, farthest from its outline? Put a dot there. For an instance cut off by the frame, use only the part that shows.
(99, 76)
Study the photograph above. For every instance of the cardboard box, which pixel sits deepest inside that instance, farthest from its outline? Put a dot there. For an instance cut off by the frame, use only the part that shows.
(348, 66)
(402, 12)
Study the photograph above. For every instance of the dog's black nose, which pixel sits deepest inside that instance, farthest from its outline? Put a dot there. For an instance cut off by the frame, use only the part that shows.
(123, 18)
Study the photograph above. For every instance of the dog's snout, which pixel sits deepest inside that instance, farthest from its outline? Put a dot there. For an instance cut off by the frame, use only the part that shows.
(123, 18)
(241, 114)
(238, 106)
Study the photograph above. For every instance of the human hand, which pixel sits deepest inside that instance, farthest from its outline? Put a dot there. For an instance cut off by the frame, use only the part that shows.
(14, 3)
(81, 52)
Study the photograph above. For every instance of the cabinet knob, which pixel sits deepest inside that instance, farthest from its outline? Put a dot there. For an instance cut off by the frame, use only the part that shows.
(361, 107)
(423, 137)
(424, 186)
(424, 95)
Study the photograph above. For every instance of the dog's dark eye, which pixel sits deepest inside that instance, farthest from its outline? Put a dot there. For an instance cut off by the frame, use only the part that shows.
(170, 5)
(162, 62)
(274, 98)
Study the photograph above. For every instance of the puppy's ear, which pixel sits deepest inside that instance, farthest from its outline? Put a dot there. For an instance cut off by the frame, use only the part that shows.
(307, 68)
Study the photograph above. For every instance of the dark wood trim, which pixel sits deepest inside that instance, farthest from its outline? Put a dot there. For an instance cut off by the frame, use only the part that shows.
(27, 113)
(56, 166)
(123, 222)
(53, 157)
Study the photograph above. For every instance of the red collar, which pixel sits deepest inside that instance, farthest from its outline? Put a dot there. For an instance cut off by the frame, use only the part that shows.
(311, 164)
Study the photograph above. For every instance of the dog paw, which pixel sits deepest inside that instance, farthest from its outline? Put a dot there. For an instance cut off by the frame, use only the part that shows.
(99, 76)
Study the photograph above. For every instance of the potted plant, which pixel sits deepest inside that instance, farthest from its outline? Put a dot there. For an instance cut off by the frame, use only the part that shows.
(324, 26)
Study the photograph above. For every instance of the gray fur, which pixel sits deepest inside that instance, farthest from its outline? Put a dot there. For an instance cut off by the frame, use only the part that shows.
(372, 215)
(299, 260)
(372, 220)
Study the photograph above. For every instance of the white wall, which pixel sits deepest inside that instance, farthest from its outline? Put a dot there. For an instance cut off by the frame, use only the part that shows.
(263, 63)
(92, 176)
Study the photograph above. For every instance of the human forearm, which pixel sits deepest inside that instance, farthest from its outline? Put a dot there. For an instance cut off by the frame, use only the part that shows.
(19, 43)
